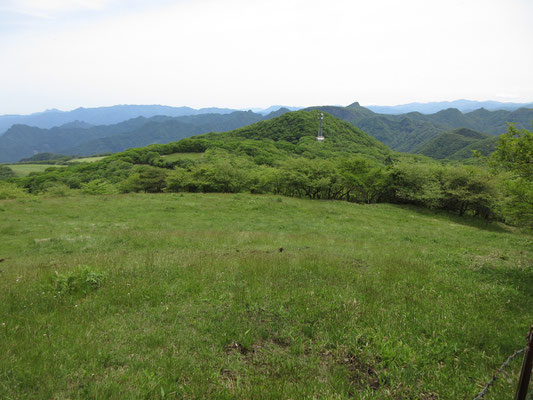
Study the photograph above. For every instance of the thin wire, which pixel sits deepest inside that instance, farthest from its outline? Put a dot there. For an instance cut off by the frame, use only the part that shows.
(499, 371)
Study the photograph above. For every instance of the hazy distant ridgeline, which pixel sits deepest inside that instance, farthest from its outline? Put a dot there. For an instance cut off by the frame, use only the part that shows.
(113, 115)
(101, 115)
(22, 141)
(462, 105)
(407, 132)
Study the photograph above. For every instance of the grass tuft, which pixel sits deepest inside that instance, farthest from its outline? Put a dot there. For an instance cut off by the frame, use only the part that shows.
(83, 280)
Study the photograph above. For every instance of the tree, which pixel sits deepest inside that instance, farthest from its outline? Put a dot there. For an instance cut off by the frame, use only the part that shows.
(417, 183)
(469, 189)
(145, 179)
(362, 179)
(6, 172)
(514, 152)
(514, 155)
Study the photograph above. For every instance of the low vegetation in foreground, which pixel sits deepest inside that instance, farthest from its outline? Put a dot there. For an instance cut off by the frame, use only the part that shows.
(256, 296)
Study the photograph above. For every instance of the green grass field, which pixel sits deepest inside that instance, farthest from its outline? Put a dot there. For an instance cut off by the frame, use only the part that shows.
(182, 156)
(25, 169)
(86, 159)
(256, 297)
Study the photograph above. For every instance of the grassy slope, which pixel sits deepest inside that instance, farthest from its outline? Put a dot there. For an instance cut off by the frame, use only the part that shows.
(25, 169)
(374, 302)
(86, 159)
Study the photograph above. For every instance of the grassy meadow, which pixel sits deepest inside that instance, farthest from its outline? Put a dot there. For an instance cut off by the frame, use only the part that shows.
(21, 170)
(258, 297)
(86, 159)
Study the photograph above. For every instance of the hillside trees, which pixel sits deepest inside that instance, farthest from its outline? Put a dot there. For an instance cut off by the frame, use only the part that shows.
(363, 180)
(469, 189)
(514, 155)
(146, 179)
(6, 172)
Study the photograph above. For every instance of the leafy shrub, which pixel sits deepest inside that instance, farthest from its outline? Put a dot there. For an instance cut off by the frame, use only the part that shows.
(82, 280)
(11, 191)
(469, 189)
(145, 179)
(56, 189)
(6, 172)
(98, 186)
(417, 184)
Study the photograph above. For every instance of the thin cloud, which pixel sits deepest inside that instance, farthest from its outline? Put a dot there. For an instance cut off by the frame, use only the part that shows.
(52, 8)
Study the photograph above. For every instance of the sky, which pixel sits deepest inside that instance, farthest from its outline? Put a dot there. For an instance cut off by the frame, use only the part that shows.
(244, 54)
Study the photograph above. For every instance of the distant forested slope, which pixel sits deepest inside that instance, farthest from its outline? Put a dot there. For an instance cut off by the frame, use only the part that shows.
(407, 132)
(458, 144)
(22, 141)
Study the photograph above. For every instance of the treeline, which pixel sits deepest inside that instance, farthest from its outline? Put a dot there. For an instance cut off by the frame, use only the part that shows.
(460, 189)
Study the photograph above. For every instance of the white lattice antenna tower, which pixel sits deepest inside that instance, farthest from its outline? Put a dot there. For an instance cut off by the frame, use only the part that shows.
(319, 136)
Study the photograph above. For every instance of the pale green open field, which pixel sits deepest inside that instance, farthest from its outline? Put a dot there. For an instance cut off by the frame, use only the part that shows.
(25, 169)
(257, 297)
(86, 159)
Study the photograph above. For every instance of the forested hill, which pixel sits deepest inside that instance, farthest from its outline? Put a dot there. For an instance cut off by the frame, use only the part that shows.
(299, 129)
(22, 141)
(407, 132)
(458, 144)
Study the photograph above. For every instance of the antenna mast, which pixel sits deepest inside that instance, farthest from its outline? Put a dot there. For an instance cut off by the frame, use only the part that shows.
(319, 136)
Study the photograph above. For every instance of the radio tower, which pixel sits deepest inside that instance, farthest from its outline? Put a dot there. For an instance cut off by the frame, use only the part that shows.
(319, 136)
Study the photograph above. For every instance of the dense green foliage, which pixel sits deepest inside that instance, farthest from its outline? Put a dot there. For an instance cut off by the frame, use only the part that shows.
(458, 144)
(514, 154)
(240, 296)
(46, 156)
(6, 172)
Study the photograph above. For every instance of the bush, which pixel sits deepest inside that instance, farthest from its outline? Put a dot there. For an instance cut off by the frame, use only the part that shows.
(469, 189)
(82, 280)
(6, 172)
(11, 191)
(56, 189)
(145, 179)
(98, 186)
(417, 184)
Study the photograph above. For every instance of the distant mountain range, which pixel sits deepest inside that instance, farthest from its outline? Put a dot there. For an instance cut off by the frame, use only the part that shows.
(407, 132)
(78, 138)
(461, 105)
(112, 115)
(119, 113)
(83, 133)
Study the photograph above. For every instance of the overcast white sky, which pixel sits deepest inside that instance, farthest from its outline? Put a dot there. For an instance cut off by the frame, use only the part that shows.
(250, 53)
